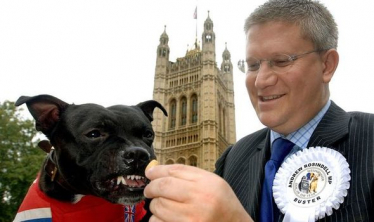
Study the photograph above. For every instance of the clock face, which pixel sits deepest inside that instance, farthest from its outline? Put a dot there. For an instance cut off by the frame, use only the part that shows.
(209, 37)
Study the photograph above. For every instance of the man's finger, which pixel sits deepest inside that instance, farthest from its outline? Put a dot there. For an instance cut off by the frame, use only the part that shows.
(170, 188)
(166, 210)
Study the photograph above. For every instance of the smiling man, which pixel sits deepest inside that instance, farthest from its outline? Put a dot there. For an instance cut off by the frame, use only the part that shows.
(288, 85)
(327, 154)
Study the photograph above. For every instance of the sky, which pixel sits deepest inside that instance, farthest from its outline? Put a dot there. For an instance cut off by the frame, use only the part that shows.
(104, 52)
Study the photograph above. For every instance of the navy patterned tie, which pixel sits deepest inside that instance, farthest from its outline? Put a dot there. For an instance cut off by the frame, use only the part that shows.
(281, 148)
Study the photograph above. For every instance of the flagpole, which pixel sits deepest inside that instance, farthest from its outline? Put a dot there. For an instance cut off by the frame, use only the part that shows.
(196, 20)
(195, 17)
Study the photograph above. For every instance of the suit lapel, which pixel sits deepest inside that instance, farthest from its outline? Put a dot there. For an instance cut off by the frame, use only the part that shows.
(333, 127)
(242, 167)
(256, 175)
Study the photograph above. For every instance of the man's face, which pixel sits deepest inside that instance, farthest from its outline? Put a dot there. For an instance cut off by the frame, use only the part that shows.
(286, 101)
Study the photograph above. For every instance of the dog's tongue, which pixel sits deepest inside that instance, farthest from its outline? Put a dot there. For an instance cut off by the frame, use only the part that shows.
(135, 183)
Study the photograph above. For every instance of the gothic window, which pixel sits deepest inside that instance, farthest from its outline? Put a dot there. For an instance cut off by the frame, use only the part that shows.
(193, 161)
(224, 122)
(183, 111)
(173, 113)
(208, 38)
(219, 118)
(181, 160)
(169, 162)
(194, 109)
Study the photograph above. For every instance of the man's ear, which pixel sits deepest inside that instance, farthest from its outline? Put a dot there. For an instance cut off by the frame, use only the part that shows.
(331, 61)
(45, 109)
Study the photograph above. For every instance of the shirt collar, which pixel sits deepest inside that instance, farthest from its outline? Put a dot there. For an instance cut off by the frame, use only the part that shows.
(302, 136)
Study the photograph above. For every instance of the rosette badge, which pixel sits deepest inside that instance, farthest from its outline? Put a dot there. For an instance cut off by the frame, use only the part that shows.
(311, 183)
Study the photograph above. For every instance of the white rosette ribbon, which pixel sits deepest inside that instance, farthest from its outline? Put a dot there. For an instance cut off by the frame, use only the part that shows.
(311, 183)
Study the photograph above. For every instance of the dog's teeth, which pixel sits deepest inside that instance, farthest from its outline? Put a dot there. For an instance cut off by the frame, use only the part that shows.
(123, 181)
(134, 177)
(119, 179)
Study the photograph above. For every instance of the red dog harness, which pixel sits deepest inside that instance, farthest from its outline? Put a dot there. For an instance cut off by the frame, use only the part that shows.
(37, 207)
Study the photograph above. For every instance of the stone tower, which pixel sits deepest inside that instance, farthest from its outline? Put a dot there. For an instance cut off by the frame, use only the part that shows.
(199, 98)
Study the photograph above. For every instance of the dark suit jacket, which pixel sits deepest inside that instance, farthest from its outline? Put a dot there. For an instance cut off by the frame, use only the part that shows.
(351, 134)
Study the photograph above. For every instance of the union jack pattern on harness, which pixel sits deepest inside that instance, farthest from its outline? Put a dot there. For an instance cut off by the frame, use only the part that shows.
(38, 207)
(129, 213)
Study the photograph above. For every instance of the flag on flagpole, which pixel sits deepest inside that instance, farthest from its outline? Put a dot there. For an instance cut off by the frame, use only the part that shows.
(195, 13)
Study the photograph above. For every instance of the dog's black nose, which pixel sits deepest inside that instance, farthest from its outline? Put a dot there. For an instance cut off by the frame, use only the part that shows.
(136, 156)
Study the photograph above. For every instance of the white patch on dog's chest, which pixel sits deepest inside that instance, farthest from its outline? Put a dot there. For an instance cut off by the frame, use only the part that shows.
(77, 198)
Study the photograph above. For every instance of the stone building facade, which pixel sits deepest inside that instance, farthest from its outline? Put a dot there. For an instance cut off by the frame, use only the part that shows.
(199, 98)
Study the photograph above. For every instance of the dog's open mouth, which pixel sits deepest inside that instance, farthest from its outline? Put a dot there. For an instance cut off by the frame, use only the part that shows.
(121, 188)
(127, 182)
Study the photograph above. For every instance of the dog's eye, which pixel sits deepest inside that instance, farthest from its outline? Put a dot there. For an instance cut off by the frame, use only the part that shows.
(93, 134)
(148, 134)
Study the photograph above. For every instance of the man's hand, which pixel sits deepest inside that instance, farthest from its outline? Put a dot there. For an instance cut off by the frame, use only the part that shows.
(186, 193)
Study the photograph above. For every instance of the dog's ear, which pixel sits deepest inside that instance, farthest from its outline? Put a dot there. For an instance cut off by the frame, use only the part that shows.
(149, 106)
(45, 109)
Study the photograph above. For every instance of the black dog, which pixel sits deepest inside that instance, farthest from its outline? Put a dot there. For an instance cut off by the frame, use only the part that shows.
(96, 151)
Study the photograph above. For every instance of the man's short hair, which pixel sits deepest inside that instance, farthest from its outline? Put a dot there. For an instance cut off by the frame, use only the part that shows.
(314, 19)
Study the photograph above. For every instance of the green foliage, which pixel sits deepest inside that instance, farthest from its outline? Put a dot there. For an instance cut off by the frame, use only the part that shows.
(20, 159)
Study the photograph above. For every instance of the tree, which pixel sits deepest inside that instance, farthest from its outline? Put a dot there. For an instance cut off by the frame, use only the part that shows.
(20, 159)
